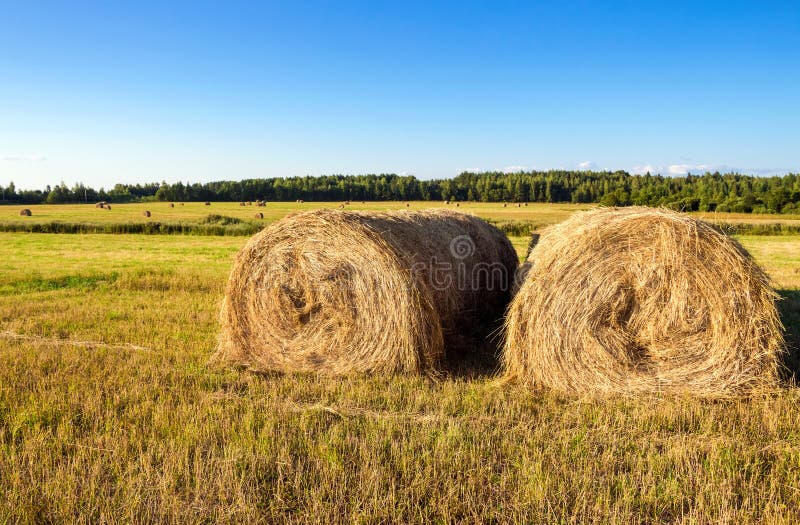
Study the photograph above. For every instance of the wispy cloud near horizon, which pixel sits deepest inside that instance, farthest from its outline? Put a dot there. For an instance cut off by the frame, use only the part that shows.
(514, 169)
(684, 169)
(23, 158)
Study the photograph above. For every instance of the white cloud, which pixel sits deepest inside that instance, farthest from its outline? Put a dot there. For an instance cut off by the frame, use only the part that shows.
(514, 169)
(640, 170)
(587, 165)
(23, 158)
(683, 169)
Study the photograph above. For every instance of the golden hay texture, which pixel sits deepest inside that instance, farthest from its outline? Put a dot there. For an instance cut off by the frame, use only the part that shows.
(339, 291)
(636, 299)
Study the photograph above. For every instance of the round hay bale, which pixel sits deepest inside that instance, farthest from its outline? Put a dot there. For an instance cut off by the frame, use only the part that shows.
(25, 212)
(259, 215)
(172, 204)
(208, 204)
(108, 206)
(101, 204)
(146, 213)
(242, 204)
(632, 300)
(340, 291)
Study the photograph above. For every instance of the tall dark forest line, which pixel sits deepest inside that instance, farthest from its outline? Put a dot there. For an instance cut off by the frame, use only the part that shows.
(731, 192)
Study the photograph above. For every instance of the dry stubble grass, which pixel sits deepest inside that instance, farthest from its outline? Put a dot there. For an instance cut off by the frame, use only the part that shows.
(91, 432)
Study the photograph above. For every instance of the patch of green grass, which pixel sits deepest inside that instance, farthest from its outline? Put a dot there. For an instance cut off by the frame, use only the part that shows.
(214, 226)
(39, 284)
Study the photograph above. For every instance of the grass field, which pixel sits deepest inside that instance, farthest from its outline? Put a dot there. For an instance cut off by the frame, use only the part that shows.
(193, 211)
(109, 411)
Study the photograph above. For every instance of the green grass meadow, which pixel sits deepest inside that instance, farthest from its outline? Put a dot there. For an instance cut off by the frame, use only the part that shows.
(110, 412)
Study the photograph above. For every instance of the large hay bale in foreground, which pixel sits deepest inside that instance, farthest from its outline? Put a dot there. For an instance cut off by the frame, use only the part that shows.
(338, 292)
(642, 300)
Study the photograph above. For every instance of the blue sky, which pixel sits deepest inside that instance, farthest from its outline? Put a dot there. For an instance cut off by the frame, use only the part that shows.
(143, 91)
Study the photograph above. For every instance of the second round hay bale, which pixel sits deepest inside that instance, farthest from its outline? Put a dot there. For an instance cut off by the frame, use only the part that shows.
(338, 292)
(146, 213)
(634, 300)
(25, 212)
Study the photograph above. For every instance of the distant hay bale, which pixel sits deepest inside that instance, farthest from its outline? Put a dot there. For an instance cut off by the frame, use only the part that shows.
(259, 215)
(208, 204)
(340, 291)
(108, 206)
(242, 204)
(146, 213)
(25, 212)
(633, 300)
(172, 204)
(101, 204)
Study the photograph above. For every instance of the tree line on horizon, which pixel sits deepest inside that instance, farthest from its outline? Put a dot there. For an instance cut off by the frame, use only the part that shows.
(730, 192)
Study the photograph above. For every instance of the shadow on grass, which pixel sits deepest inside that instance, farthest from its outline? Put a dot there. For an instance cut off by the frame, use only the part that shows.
(789, 308)
(473, 354)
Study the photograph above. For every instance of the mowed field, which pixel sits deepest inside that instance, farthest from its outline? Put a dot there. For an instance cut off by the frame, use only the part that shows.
(109, 410)
(537, 213)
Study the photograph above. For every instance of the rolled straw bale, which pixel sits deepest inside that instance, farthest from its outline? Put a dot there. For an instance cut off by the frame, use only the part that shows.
(642, 300)
(342, 291)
